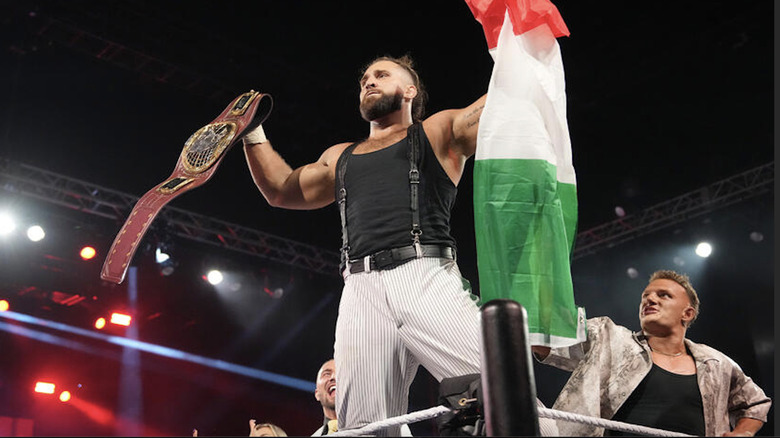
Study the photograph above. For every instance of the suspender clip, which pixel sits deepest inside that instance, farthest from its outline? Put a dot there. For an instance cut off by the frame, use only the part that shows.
(417, 247)
(414, 176)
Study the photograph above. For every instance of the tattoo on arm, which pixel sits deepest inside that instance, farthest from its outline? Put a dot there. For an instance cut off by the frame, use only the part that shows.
(470, 119)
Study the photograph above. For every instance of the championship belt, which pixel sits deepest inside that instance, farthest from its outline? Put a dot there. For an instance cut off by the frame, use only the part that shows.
(198, 161)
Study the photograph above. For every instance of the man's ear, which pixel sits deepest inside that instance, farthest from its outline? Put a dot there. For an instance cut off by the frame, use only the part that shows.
(688, 315)
(317, 395)
(410, 92)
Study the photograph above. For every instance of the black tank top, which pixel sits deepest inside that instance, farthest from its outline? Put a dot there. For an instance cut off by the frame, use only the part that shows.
(379, 214)
(664, 400)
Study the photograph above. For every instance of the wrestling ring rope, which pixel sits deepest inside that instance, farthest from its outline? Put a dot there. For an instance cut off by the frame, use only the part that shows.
(553, 414)
(508, 390)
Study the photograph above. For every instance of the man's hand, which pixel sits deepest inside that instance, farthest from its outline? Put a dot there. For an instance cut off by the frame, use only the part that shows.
(541, 352)
(746, 427)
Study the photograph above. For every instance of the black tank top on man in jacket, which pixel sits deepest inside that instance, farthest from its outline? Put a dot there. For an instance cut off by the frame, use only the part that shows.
(664, 400)
(378, 206)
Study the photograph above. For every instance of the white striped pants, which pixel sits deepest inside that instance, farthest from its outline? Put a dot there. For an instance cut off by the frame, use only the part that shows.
(392, 321)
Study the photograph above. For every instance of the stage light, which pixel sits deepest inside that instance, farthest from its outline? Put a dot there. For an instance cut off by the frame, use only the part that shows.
(755, 236)
(214, 277)
(703, 249)
(7, 224)
(632, 273)
(100, 323)
(619, 211)
(36, 233)
(164, 261)
(4, 305)
(87, 252)
(64, 396)
(160, 256)
(44, 387)
(120, 319)
(275, 293)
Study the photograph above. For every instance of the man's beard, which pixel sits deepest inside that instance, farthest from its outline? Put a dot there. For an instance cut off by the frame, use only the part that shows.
(381, 106)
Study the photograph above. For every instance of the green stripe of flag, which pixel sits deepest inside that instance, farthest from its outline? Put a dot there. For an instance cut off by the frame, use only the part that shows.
(526, 222)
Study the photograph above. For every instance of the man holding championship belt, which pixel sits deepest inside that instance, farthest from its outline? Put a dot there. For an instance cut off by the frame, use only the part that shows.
(404, 302)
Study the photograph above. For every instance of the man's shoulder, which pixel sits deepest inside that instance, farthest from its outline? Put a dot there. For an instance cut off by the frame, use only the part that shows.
(704, 352)
(338, 148)
(438, 128)
(603, 328)
(332, 154)
(600, 323)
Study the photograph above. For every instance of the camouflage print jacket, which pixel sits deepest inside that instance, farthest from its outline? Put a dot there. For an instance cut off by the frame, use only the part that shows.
(611, 363)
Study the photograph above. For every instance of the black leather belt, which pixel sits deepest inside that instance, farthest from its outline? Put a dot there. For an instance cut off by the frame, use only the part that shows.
(391, 258)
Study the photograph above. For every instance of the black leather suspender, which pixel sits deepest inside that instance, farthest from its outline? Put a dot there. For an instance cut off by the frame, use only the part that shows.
(342, 200)
(414, 181)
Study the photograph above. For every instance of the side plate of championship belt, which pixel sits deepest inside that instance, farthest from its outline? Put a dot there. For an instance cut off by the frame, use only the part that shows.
(199, 159)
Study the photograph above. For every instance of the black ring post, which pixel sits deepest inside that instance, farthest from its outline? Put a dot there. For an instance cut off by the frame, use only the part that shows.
(507, 371)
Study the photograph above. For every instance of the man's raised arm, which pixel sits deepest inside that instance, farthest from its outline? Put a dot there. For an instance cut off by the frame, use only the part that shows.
(465, 126)
(306, 188)
(460, 127)
(453, 135)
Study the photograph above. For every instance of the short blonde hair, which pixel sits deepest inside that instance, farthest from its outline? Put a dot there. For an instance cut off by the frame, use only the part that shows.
(276, 430)
(683, 281)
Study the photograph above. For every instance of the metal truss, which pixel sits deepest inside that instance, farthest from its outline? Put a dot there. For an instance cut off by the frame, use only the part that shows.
(89, 198)
(720, 194)
(93, 199)
(120, 55)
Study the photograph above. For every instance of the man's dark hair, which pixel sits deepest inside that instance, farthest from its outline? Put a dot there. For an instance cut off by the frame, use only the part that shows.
(418, 104)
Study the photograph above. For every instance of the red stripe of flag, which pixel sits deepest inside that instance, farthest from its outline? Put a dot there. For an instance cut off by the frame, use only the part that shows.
(525, 15)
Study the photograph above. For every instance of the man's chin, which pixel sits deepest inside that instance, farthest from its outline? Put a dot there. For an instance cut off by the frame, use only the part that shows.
(380, 107)
(654, 327)
(647, 321)
(647, 317)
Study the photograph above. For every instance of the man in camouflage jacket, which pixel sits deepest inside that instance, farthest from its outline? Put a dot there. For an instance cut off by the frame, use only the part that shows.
(613, 362)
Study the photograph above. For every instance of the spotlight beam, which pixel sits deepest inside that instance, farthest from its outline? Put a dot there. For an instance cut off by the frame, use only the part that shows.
(279, 379)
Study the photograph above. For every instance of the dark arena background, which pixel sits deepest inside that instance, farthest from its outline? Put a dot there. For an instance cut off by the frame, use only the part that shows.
(670, 110)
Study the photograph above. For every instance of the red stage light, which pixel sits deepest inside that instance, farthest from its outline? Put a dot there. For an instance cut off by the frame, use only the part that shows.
(120, 319)
(87, 252)
(44, 387)
(64, 396)
(4, 305)
(100, 323)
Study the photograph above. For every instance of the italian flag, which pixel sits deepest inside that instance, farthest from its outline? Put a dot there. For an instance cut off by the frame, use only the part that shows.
(525, 195)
